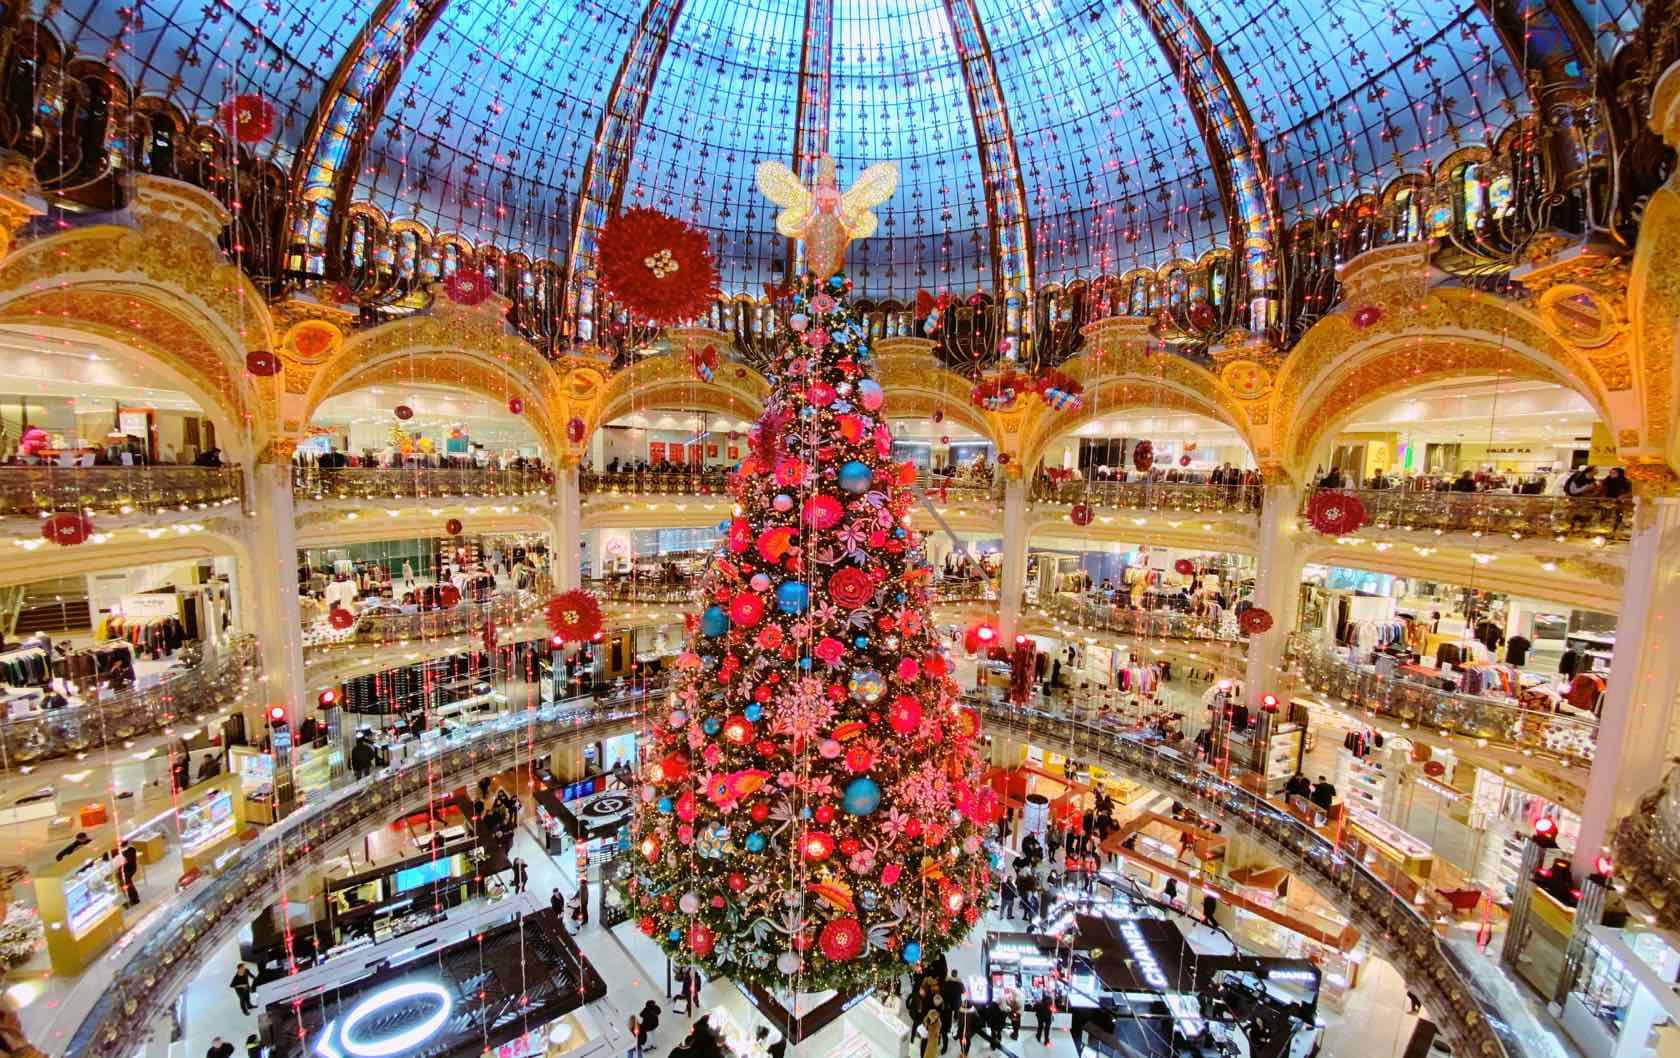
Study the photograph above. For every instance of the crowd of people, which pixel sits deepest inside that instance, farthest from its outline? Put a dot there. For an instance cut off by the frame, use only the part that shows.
(1579, 483)
(393, 457)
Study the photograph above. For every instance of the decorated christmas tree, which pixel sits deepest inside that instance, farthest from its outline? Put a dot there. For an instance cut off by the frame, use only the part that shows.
(811, 808)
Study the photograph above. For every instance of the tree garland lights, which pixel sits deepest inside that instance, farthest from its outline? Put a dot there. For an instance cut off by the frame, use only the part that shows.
(811, 801)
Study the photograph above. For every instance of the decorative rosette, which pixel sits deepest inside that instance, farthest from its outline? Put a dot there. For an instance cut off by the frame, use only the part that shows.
(841, 939)
(656, 266)
(67, 529)
(262, 363)
(575, 616)
(467, 287)
(1255, 621)
(850, 587)
(1081, 514)
(515, 406)
(1143, 455)
(1184, 567)
(248, 118)
(704, 362)
(1335, 513)
(403, 412)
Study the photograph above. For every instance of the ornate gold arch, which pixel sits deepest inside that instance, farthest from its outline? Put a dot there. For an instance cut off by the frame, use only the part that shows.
(916, 385)
(163, 289)
(668, 381)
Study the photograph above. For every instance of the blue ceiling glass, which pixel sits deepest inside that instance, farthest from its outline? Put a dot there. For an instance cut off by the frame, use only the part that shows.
(489, 122)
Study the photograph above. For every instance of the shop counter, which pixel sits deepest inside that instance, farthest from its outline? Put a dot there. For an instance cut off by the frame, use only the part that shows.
(1412, 856)
(81, 907)
(211, 816)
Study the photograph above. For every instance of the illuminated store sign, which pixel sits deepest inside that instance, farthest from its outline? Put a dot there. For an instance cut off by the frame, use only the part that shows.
(341, 1041)
(1152, 972)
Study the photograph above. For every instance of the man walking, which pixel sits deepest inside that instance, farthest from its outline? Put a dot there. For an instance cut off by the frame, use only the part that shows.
(242, 984)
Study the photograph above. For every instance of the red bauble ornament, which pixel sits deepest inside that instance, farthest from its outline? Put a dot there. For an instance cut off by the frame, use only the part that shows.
(817, 846)
(701, 939)
(1201, 315)
(1255, 621)
(403, 412)
(516, 406)
(341, 619)
(452, 527)
(1365, 315)
(841, 939)
(1143, 455)
(1183, 461)
(67, 529)
(1184, 566)
(655, 265)
(262, 364)
(574, 429)
(1335, 513)
(248, 118)
(1081, 514)
(467, 287)
(574, 616)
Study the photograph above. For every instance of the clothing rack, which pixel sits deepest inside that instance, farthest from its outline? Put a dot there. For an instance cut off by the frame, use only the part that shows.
(28, 666)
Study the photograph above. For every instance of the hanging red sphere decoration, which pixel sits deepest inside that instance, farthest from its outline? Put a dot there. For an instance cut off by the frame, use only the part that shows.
(467, 286)
(262, 364)
(939, 415)
(403, 412)
(67, 529)
(1183, 461)
(656, 266)
(1201, 314)
(574, 616)
(1335, 513)
(341, 619)
(1255, 621)
(248, 118)
(516, 406)
(1143, 455)
(1185, 567)
(453, 527)
(575, 427)
(1081, 514)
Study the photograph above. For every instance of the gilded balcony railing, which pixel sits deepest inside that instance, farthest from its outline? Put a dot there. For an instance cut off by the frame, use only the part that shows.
(656, 590)
(383, 483)
(1094, 614)
(1567, 738)
(1494, 513)
(31, 491)
(655, 483)
(501, 610)
(1168, 496)
(212, 683)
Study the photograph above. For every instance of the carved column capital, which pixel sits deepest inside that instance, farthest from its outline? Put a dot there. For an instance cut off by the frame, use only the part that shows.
(20, 197)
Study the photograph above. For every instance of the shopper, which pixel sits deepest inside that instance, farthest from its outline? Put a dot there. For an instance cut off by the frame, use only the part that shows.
(637, 1033)
(950, 1001)
(1043, 1013)
(557, 904)
(932, 1031)
(1210, 904)
(219, 1048)
(1413, 1002)
(521, 874)
(253, 1046)
(242, 984)
(580, 904)
(1170, 891)
(130, 868)
(362, 756)
(688, 990)
(968, 1023)
(649, 1017)
(1006, 895)
(1323, 794)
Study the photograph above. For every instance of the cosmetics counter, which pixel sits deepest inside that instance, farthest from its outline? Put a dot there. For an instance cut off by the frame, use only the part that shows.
(80, 904)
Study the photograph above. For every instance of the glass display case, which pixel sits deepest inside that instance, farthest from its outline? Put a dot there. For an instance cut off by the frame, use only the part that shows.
(90, 896)
(206, 822)
(1622, 1004)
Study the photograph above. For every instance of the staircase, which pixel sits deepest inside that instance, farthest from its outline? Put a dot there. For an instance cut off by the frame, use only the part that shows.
(51, 606)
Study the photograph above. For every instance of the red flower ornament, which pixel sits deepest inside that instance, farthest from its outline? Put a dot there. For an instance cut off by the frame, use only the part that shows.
(1184, 567)
(574, 616)
(656, 266)
(467, 287)
(262, 364)
(248, 118)
(841, 939)
(1143, 455)
(850, 587)
(1255, 621)
(1081, 514)
(1335, 513)
(67, 530)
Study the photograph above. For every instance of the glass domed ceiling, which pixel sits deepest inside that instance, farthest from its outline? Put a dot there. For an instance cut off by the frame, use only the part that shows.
(483, 115)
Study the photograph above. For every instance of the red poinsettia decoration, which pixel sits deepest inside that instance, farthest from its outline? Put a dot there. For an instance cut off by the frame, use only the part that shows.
(341, 619)
(1081, 514)
(403, 412)
(467, 287)
(574, 616)
(1184, 567)
(656, 266)
(262, 364)
(1255, 621)
(998, 392)
(67, 529)
(1335, 513)
(1143, 455)
(841, 939)
(248, 118)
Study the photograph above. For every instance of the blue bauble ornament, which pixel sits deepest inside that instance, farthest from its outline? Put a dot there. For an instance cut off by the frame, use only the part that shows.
(753, 712)
(912, 953)
(792, 597)
(665, 804)
(863, 796)
(712, 725)
(754, 842)
(855, 477)
(714, 622)
(674, 936)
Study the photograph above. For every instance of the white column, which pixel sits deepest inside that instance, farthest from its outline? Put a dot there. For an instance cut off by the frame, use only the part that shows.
(567, 559)
(1277, 582)
(1639, 699)
(270, 592)
(1014, 577)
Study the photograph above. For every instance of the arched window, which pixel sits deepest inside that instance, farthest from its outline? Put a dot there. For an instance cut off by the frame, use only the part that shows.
(1474, 196)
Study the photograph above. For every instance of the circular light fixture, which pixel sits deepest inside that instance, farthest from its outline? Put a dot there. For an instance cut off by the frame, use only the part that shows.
(346, 1043)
